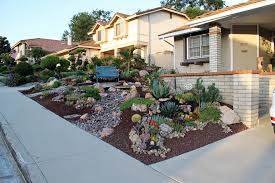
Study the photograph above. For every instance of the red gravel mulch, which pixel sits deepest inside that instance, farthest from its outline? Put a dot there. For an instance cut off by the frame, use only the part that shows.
(59, 108)
(192, 140)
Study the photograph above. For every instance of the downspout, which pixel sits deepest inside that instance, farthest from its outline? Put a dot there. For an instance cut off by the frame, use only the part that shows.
(149, 47)
(174, 52)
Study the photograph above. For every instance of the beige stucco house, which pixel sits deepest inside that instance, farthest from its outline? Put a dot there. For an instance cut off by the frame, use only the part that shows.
(225, 40)
(22, 47)
(141, 31)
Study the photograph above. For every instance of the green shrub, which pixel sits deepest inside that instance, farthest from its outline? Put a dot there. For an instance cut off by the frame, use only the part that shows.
(169, 109)
(64, 65)
(212, 94)
(46, 74)
(36, 67)
(23, 69)
(159, 89)
(56, 84)
(129, 74)
(74, 73)
(50, 62)
(159, 119)
(91, 91)
(211, 113)
(96, 61)
(185, 97)
(15, 80)
(128, 103)
(3, 68)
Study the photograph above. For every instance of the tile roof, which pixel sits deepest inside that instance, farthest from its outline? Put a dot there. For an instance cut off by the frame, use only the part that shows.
(210, 13)
(90, 43)
(49, 45)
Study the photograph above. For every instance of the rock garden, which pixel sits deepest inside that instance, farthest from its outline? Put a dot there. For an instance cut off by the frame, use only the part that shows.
(140, 115)
(145, 119)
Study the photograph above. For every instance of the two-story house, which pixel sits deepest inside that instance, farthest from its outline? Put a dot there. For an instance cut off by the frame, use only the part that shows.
(140, 31)
(22, 47)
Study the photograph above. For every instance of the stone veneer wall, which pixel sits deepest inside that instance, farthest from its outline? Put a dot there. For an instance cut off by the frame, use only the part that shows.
(249, 92)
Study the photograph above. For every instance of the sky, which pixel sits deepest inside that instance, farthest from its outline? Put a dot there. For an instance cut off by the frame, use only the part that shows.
(25, 19)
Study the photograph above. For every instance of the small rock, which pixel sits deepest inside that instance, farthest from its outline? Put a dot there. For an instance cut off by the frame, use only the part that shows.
(148, 96)
(103, 94)
(111, 89)
(98, 109)
(99, 87)
(133, 93)
(91, 100)
(72, 116)
(124, 93)
(51, 83)
(164, 99)
(88, 82)
(125, 84)
(84, 116)
(58, 98)
(143, 73)
(165, 130)
(139, 107)
(138, 84)
(106, 132)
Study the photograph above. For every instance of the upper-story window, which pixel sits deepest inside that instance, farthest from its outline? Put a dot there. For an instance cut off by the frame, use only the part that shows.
(198, 46)
(119, 29)
(99, 35)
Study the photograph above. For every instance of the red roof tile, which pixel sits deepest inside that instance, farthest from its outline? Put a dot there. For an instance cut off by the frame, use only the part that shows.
(48, 45)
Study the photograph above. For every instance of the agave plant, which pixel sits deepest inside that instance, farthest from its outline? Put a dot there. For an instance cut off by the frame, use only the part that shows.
(169, 109)
(159, 119)
(159, 89)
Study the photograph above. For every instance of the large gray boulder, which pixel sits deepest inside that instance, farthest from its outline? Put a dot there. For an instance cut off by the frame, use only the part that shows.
(229, 117)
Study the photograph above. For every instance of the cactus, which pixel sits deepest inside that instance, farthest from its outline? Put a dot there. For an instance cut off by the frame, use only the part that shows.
(136, 118)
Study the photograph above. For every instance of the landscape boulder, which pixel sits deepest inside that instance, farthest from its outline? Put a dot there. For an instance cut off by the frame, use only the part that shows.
(229, 117)
(143, 73)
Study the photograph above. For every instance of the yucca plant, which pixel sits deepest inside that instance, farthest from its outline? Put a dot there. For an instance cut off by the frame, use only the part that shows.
(169, 109)
(159, 89)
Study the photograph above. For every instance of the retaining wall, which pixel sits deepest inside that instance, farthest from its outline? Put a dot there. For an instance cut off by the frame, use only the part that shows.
(249, 92)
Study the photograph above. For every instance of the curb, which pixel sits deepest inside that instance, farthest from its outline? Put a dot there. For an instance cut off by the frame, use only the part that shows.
(16, 156)
(19, 153)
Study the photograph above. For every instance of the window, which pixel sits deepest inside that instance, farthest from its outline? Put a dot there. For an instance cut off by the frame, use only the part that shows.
(119, 29)
(198, 46)
(99, 35)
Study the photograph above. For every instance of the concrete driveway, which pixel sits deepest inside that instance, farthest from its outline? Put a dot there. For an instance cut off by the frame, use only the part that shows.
(246, 157)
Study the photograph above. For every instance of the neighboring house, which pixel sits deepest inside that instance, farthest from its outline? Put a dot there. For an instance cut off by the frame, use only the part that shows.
(49, 45)
(140, 31)
(91, 50)
(232, 38)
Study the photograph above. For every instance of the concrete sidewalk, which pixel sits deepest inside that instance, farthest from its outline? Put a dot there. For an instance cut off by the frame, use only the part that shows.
(247, 157)
(52, 150)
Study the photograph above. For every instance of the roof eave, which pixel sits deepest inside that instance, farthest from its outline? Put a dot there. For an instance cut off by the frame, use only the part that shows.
(229, 13)
(181, 32)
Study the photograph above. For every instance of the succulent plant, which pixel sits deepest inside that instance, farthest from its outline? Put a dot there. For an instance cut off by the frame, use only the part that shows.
(159, 89)
(159, 119)
(136, 118)
(169, 109)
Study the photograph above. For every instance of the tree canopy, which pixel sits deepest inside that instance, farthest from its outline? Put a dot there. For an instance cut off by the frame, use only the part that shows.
(36, 54)
(194, 8)
(82, 23)
(4, 45)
